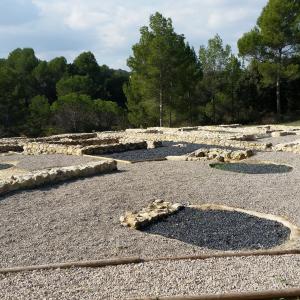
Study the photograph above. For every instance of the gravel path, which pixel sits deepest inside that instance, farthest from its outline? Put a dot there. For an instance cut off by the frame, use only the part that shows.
(80, 219)
(221, 230)
(210, 276)
(168, 149)
(38, 162)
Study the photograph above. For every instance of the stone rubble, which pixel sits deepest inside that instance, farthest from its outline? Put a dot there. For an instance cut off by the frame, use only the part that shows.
(288, 147)
(220, 155)
(34, 148)
(156, 210)
(244, 137)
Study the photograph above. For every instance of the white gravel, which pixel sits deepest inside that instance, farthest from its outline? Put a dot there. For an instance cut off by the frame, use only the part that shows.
(80, 219)
(280, 139)
(164, 278)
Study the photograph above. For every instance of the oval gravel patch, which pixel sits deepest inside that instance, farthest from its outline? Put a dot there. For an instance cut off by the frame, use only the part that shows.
(252, 168)
(221, 230)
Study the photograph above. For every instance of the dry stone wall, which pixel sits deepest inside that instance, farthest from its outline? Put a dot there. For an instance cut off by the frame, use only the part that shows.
(87, 142)
(45, 148)
(70, 136)
(289, 147)
(196, 139)
(221, 155)
(114, 148)
(39, 178)
(231, 136)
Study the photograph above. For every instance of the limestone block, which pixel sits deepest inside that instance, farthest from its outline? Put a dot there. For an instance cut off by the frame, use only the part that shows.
(154, 211)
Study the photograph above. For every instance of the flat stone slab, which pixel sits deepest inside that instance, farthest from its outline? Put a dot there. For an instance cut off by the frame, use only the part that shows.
(221, 230)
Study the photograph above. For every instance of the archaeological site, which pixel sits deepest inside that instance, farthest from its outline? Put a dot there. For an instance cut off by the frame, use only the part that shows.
(91, 206)
(150, 150)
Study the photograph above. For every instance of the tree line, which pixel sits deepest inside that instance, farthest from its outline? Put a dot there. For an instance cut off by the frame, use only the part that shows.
(169, 83)
(44, 97)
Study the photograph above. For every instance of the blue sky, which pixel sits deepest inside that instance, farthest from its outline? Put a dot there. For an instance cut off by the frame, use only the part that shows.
(108, 28)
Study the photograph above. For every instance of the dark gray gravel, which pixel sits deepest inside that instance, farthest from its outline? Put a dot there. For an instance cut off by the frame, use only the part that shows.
(168, 149)
(5, 166)
(220, 230)
(252, 168)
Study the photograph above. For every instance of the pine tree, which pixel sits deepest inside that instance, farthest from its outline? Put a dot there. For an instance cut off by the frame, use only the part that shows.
(274, 42)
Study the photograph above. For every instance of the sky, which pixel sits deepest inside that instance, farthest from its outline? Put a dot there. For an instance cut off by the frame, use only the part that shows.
(109, 28)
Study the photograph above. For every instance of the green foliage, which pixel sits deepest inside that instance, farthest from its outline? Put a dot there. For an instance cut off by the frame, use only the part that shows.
(274, 42)
(75, 84)
(221, 75)
(86, 64)
(73, 112)
(163, 69)
(11, 106)
(108, 114)
(29, 86)
(39, 115)
(169, 84)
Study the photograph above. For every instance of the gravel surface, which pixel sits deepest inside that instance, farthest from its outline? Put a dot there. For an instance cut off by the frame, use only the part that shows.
(168, 149)
(80, 219)
(280, 139)
(221, 230)
(253, 168)
(38, 162)
(164, 278)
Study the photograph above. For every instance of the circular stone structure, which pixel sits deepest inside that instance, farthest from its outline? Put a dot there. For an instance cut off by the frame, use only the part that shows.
(253, 168)
(5, 166)
(221, 230)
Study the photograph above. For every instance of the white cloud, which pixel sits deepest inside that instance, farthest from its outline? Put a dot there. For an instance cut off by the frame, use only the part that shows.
(109, 28)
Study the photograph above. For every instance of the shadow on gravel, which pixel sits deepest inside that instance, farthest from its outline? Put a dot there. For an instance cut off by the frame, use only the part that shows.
(220, 230)
(168, 149)
(5, 166)
(252, 168)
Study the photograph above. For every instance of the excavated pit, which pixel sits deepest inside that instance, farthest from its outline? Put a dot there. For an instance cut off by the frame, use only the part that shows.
(221, 230)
